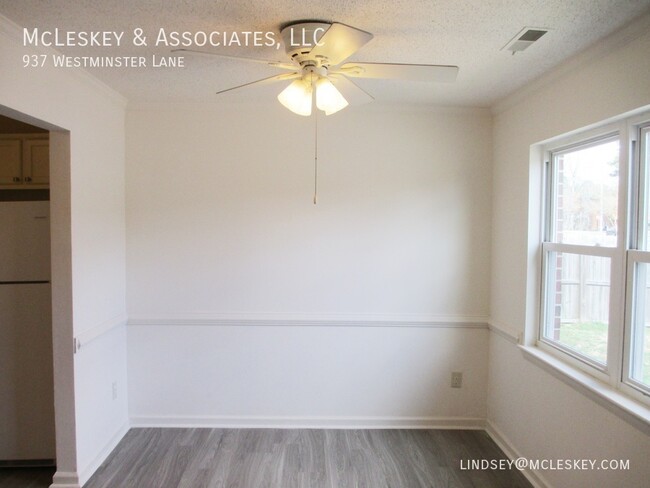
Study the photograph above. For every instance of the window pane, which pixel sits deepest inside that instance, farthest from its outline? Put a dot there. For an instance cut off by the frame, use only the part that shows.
(645, 161)
(586, 195)
(577, 313)
(640, 340)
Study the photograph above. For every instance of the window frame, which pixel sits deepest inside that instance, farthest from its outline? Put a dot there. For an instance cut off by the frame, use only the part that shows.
(639, 203)
(632, 206)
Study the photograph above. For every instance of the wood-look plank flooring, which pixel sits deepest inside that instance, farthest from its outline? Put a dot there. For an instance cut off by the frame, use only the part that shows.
(26, 477)
(301, 458)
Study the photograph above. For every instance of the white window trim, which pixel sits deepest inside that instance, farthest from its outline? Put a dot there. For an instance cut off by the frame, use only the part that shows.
(611, 391)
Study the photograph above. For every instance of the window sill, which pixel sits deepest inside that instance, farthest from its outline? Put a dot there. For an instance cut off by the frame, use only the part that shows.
(616, 402)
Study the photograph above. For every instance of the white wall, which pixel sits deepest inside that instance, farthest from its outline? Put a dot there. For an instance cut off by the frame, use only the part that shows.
(221, 227)
(88, 218)
(291, 376)
(543, 418)
(220, 213)
(539, 415)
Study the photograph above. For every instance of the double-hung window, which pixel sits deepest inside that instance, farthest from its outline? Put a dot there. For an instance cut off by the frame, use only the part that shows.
(595, 311)
(636, 367)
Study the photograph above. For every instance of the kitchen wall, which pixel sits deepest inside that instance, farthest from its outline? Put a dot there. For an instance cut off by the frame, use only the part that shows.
(87, 198)
(538, 415)
(249, 305)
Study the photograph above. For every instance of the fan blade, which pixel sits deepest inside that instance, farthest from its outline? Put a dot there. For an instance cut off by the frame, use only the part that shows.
(275, 64)
(263, 81)
(340, 42)
(409, 72)
(353, 93)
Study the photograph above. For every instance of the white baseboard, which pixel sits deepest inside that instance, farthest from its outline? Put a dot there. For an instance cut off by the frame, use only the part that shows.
(89, 470)
(65, 479)
(535, 478)
(311, 422)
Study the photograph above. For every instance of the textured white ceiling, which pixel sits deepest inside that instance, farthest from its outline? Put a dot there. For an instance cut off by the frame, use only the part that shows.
(466, 33)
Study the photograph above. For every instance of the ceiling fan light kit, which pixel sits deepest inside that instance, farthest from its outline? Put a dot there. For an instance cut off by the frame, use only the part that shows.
(328, 98)
(297, 97)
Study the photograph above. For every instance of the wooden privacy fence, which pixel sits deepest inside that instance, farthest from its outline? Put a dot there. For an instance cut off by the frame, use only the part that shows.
(585, 288)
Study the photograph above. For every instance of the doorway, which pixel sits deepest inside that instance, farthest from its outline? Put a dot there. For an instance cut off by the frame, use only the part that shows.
(36, 355)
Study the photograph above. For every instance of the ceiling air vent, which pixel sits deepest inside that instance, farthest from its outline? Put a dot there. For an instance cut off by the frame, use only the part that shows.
(523, 40)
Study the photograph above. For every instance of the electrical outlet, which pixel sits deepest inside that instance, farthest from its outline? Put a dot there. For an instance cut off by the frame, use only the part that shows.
(114, 390)
(456, 379)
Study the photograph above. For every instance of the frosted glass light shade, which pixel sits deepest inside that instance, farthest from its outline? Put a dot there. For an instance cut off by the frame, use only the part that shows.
(297, 97)
(328, 98)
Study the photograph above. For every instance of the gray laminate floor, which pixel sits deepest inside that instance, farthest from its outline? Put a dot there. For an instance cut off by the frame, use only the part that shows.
(26, 477)
(301, 458)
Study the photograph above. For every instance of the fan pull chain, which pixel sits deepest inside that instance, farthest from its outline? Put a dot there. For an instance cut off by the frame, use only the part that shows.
(316, 157)
(311, 81)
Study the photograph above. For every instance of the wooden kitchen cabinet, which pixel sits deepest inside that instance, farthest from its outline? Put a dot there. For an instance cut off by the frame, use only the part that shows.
(11, 160)
(24, 161)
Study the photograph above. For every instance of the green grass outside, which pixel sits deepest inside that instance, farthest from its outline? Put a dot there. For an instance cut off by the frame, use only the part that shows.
(590, 339)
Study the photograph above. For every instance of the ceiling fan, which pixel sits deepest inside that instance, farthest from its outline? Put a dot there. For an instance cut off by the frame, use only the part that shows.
(316, 52)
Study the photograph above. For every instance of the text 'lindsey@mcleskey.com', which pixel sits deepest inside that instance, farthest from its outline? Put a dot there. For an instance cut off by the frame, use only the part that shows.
(523, 463)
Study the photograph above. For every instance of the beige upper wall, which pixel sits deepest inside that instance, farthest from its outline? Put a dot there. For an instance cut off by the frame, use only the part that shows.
(220, 216)
(610, 79)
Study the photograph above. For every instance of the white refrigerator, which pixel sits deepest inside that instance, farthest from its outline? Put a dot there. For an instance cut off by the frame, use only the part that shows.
(26, 380)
